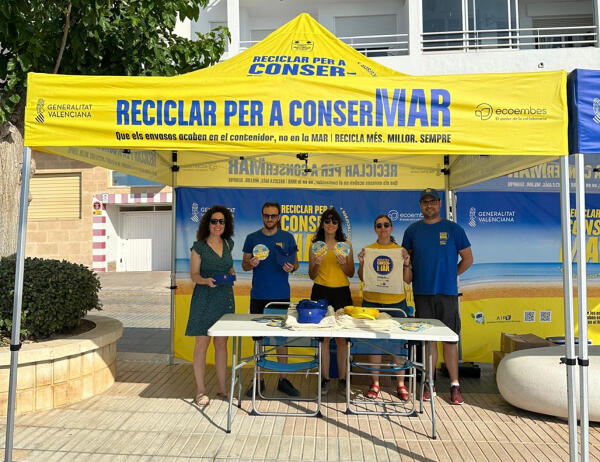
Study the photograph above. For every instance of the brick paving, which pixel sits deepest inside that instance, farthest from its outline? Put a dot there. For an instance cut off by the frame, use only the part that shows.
(148, 415)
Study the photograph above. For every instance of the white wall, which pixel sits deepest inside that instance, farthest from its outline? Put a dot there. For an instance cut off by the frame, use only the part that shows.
(216, 11)
(270, 14)
(495, 61)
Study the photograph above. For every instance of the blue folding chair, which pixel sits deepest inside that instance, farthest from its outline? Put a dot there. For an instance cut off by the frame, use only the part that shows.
(265, 348)
(404, 356)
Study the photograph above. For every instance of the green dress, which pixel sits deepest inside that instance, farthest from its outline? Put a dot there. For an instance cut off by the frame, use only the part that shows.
(210, 303)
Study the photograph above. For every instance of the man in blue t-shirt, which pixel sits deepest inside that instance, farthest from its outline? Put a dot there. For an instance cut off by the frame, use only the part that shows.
(435, 245)
(270, 276)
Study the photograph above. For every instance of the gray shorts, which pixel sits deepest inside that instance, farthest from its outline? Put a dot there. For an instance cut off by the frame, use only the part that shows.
(441, 307)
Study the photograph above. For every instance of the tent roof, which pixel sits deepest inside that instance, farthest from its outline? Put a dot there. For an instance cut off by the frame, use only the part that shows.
(299, 90)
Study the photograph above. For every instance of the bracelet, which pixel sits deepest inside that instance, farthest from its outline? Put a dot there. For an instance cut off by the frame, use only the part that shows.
(406, 266)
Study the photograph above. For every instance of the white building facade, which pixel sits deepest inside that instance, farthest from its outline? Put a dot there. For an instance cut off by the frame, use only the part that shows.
(428, 37)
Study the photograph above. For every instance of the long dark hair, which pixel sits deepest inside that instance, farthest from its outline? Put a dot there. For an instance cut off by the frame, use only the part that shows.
(339, 234)
(383, 215)
(203, 227)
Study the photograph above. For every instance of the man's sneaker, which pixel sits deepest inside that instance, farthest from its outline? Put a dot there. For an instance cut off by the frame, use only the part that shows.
(285, 386)
(324, 386)
(249, 391)
(426, 394)
(456, 395)
(342, 386)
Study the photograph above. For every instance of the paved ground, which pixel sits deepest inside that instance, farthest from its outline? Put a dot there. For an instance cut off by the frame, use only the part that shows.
(148, 415)
(142, 302)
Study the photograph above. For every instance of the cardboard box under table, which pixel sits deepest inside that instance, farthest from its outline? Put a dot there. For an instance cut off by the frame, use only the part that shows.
(516, 342)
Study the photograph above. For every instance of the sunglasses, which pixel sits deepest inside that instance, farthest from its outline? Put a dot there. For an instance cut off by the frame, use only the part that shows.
(330, 221)
(268, 216)
(430, 202)
(214, 221)
(382, 225)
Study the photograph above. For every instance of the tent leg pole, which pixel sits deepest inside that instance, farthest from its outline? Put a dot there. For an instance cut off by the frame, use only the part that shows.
(582, 305)
(173, 260)
(15, 340)
(569, 360)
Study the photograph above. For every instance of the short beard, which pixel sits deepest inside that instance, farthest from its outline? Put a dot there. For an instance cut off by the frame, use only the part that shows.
(276, 225)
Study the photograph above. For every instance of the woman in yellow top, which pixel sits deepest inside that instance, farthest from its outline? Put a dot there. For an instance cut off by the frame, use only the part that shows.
(330, 273)
(383, 227)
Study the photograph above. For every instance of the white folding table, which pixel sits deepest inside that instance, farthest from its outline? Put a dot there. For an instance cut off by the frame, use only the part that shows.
(244, 325)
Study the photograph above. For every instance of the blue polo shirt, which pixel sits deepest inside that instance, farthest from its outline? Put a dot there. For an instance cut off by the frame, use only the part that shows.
(434, 256)
(269, 280)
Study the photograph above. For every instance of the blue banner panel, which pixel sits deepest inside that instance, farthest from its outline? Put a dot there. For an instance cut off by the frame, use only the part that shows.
(584, 111)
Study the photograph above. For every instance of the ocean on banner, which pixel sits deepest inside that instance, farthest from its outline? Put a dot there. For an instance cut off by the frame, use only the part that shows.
(523, 272)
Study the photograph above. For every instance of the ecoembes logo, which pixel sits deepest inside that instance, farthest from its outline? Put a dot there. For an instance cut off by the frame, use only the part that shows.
(485, 111)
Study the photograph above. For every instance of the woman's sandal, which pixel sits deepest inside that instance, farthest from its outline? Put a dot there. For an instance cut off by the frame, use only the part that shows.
(373, 392)
(402, 392)
(224, 396)
(201, 399)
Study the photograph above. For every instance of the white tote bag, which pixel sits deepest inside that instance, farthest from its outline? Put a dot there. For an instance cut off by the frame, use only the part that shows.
(383, 271)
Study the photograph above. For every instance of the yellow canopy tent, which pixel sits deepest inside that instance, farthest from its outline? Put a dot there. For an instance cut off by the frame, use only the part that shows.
(300, 90)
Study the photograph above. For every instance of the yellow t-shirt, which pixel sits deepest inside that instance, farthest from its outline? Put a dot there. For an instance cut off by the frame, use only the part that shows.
(376, 297)
(330, 272)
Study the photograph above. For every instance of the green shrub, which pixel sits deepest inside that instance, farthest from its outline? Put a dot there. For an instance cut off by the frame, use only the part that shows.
(56, 296)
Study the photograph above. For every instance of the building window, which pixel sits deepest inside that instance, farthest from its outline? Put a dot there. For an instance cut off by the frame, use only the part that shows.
(55, 196)
(256, 35)
(372, 35)
(122, 179)
(441, 16)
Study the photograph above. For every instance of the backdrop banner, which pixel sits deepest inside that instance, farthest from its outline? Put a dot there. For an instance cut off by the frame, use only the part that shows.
(301, 210)
(515, 285)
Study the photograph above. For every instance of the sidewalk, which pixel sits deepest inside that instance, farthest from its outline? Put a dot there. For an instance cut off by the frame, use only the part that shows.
(148, 414)
(142, 302)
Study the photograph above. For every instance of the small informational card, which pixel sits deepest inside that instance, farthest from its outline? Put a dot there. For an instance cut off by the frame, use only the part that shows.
(319, 248)
(260, 251)
(342, 249)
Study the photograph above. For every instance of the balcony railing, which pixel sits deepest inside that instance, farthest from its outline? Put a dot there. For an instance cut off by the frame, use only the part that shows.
(520, 39)
(368, 45)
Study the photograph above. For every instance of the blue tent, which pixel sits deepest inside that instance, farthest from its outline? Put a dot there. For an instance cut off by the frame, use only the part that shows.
(583, 90)
(584, 111)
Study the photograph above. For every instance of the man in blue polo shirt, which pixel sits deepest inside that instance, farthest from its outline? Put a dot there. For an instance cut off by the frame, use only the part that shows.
(435, 245)
(270, 276)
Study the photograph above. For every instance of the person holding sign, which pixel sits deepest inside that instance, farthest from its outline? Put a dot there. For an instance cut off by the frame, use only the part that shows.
(271, 254)
(384, 267)
(210, 258)
(435, 245)
(331, 263)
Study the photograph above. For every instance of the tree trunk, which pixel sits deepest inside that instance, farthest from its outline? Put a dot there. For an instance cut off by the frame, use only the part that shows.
(11, 161)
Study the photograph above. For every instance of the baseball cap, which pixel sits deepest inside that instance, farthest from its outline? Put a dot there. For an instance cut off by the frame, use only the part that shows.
(429, 192)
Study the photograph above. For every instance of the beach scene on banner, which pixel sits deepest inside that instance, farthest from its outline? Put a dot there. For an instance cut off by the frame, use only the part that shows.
(515, 285)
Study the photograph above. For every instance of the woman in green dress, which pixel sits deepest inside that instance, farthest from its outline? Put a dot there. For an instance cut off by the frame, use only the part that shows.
(210, 255)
